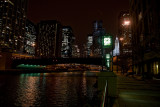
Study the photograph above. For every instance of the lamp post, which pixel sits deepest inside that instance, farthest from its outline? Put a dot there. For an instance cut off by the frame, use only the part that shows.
(121, 54)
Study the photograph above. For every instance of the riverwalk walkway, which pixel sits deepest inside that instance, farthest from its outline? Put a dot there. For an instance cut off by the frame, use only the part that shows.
(133, 91)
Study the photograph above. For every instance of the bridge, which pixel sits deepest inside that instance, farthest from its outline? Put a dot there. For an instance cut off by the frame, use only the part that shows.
(50, 61)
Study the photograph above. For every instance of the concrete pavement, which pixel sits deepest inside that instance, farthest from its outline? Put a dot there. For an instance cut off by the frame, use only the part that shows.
(135, 92)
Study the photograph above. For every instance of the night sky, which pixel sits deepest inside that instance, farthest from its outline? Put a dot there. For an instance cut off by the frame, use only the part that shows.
(79, 14)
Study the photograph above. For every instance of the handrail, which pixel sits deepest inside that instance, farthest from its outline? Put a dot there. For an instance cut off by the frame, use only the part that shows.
(105, 94)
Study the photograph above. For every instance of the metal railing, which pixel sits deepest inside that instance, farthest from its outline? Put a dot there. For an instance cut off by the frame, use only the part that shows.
(105, 96)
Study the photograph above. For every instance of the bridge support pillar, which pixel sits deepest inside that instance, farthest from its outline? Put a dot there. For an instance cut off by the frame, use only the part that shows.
(5, 60)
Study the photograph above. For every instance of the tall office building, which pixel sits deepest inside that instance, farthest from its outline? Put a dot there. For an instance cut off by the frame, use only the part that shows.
(20, 10)
(12, 25)
(84, 51)
(30, 38)
(67, 42)
(97, 27)
(116, 50)
(98, 32)
(146, 36)
(75, 51)
(6, 25)
(124, 33)
(49, 39)
(89, 44)
(125, 40)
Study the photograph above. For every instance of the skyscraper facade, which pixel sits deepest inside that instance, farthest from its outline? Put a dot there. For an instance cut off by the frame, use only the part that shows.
(146, 36)
(124, 33)
(75, 51)
(67, 42)
(49, 39)
(6, 25)
(12, 25)
(98, 32)
(30, 38)
(116, 50)
(125, 40)
(20, 10)
(89, 44)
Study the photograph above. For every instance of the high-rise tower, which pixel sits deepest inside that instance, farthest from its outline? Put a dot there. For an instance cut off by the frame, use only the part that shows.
(67, 42)
(124, 33)
(30, 38)
(49, 39)
(12, 25)
(98, 32)
(146, 37)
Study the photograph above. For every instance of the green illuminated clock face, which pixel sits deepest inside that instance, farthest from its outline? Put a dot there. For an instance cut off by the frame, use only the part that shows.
(107, 41)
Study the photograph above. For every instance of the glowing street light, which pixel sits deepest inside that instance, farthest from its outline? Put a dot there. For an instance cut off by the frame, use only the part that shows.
(126, 23)
(121, 39)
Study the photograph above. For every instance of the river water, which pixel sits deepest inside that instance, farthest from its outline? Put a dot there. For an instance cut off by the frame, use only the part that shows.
(64, 89)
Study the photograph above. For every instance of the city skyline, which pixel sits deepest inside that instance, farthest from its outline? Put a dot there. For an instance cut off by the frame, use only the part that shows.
(70, 53)
(78, 14)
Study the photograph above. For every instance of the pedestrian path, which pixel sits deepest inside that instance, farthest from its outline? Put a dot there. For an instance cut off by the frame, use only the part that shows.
(135, 92)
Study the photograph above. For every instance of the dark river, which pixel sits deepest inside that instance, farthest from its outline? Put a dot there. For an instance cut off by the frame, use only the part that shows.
(65, 89)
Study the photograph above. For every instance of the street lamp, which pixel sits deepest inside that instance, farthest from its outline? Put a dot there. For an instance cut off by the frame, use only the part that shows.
(121, 39)
(126, 23)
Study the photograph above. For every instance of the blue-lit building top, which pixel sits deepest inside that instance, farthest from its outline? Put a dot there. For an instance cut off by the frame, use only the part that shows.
(98, 32)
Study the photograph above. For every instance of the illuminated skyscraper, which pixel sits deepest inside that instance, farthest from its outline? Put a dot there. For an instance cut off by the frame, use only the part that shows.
(67, 42)
(125, 37)
(75, 51)
(98, 29)
(116, 50)
(6, 25)
(20, 7)
(30, 38)
(49, 39)
(98, 32)
(125, 33)
(12, 25)
(89, 44)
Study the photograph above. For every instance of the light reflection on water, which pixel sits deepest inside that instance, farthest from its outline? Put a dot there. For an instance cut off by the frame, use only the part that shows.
(43, 89)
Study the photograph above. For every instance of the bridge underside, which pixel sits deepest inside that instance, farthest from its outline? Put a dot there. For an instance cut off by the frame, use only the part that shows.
(94, 61)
